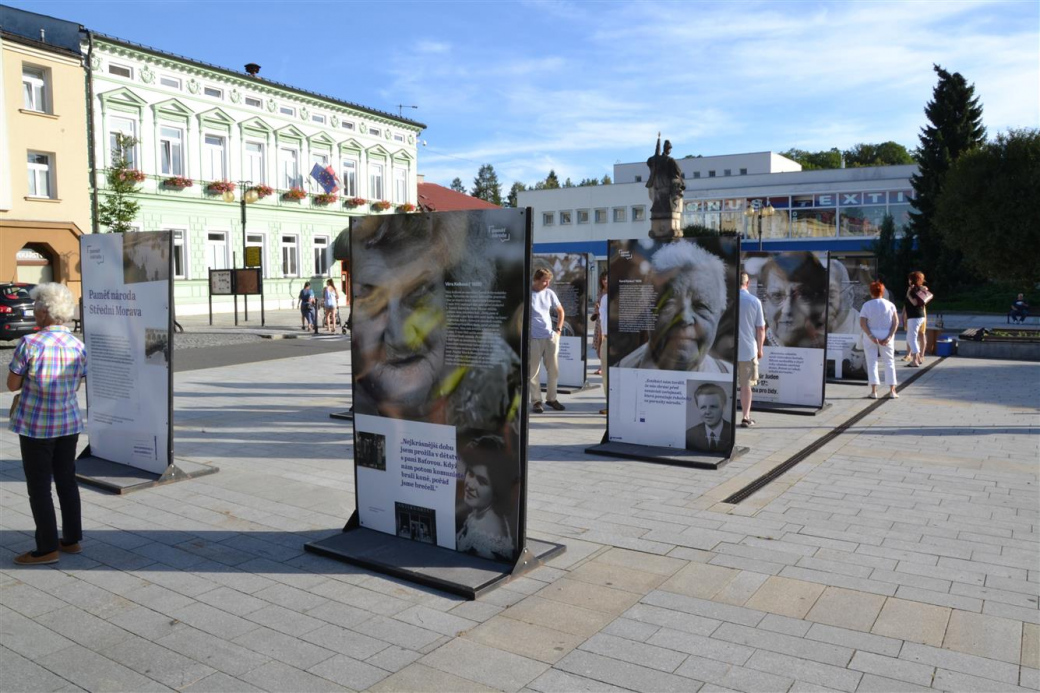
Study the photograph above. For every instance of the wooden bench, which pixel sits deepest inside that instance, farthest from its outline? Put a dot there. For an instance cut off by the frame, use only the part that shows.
(1030, 313)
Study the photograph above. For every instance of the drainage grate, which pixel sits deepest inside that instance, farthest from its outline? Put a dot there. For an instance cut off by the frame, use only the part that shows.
(775, 473)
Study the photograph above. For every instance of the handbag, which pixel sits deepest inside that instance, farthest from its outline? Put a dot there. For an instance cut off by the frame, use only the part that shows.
(15, 401)
(924, 295)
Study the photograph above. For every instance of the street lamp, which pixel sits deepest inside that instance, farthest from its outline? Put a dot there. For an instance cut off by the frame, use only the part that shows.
(751, 213)
(249, 195)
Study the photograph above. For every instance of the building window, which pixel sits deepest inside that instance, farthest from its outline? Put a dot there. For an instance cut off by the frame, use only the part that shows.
(601, 216)
(711, 174)
(321, 161)
(583, 216)
(547, 218)
(171, 151)
(290, 177)
(400, 185)
(216, 250)
(727, 172)
(287, 110)
(350, 167)
(120, 70)
(619, 215)
(375, 181)
(34, 89)
(638, 213)
(347, 125)
(172, 82)
(743, 171)
(256, 240)
(565, 218)
(375, 131)
(213, 158)
(639, 179)
(121, 126)
(696, 174)
(255, 170)
(398, 137)
(40, 179)
(290, 257)
(318, 118)
(254, 102)
(321, 254)
(179, 255)
(214, 92)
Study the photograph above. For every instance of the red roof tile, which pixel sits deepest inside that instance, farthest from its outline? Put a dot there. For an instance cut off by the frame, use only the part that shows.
(437, 198)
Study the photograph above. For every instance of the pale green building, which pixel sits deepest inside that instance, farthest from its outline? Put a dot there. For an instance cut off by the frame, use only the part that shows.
(209, 124)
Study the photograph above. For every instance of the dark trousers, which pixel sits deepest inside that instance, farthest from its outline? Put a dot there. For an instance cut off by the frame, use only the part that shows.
(42, 459)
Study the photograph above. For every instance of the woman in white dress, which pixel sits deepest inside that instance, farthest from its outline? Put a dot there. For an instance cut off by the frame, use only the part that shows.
(485, 487)
(879, 321)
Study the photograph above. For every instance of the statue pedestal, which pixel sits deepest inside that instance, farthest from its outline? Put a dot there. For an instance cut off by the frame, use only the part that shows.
(666, 229)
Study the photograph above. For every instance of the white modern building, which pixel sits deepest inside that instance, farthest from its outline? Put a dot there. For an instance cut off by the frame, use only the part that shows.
(839, 210)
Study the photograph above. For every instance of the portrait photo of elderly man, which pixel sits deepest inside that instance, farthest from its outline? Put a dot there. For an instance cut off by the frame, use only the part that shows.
(841, 311)
(708, 430)
(691, 299)
(794, 293)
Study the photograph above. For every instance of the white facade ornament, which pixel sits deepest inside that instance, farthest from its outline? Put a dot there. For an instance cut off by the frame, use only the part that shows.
(236, 96)
(147, 75)
(193, 85)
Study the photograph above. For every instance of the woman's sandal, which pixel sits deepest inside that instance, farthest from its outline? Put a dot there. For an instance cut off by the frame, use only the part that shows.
(747, 423)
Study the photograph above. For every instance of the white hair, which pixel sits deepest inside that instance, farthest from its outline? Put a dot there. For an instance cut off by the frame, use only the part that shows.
(709, 275)
(56, 299)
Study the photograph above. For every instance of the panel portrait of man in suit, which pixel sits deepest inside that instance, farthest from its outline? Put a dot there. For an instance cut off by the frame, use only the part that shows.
(708, 430)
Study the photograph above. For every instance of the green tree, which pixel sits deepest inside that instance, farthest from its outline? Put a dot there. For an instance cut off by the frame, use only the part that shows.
(696, 230)
(567, 183)
(884, 154)
(606, 179)
(511, 200)
(486, 186)
(987, 209)
(551, 182)
(586, 182)
(895, 255)
(954, 128)
(117, 208)
(457, 185)
(813, 161)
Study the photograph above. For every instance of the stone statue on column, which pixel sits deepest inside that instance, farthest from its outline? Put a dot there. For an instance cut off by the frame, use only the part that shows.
(666, 186)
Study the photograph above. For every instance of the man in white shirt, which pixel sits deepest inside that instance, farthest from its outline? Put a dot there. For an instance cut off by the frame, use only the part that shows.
(545, 340)
(714, 433)
(750, 338)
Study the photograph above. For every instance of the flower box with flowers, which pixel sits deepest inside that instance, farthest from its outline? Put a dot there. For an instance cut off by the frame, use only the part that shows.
(381, 206)
(131, 174)
(325, 198)
(354, 202)
(406, 207)
(178, 182)
(262, 191)
(294, 194)
(220, 186)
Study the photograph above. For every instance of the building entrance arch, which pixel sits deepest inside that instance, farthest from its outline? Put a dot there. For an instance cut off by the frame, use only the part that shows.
(36, 263)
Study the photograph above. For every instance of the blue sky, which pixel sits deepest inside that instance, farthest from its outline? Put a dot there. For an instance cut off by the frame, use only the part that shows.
(578, 86)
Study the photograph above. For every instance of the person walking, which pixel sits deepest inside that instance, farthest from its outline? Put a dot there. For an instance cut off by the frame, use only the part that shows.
(545, 340)
(750, 339)
(46, 368)
(878, 321)
(330, 299)
(598, 317)
(604, 354)
(307, 316)
(917, 297)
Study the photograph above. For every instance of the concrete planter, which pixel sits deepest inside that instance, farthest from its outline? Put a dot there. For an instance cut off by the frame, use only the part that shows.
(1012, 351)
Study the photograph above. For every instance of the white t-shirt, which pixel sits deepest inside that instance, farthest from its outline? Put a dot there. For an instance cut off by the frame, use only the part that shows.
(751, 318)
(879, 313)
(603, 314)
(541, 322)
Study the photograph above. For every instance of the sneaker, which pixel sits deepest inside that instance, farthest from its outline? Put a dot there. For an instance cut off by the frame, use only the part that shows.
(71, 547)
(555, 404)
(33, 558)
(537, 408)
(603, 412)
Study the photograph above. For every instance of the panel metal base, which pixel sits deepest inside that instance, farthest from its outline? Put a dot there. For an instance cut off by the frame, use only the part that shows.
(570, 389)
(347, 415)
(122, 478)
(674, 456)
(426, 564)
(794, 409)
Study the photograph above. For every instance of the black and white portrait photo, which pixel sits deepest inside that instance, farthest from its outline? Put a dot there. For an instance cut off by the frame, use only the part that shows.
(486, 513)
(370, 450)
(794, 291)
(146, 257)
(156, 347)
(708, 420)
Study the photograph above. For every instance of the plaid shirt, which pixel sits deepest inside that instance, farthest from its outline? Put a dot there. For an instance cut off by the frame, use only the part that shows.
(51, 363)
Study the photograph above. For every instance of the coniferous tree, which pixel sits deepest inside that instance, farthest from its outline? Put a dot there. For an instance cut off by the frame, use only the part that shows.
(551, 182)
(511, 199)
(606, 179)
(585, 182)
(486, 186)
(117, 209)
(954, 127)
(568, 183)
(457, 185)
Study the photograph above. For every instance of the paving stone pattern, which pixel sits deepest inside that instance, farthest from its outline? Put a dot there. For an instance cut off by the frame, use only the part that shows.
(902, 556)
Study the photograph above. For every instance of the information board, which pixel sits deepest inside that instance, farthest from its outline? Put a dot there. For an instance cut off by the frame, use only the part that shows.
(221, 282)
(570, 282)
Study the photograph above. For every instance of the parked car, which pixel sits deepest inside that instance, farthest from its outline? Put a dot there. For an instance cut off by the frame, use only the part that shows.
(16, 311)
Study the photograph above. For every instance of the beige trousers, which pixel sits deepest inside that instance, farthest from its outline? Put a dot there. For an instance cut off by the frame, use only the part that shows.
(547, 350)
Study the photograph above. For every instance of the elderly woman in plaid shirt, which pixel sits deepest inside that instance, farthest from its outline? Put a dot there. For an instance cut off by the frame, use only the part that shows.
(47, 367)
